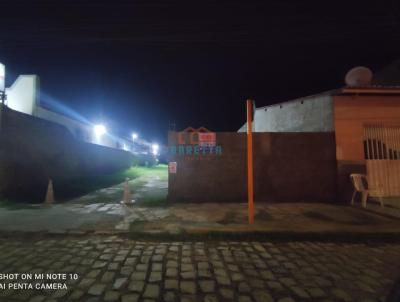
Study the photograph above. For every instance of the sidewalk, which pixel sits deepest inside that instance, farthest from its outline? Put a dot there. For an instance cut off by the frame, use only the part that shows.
(391, 207)
(289, 219)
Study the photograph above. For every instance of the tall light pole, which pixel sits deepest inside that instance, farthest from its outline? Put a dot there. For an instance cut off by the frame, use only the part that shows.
(2, 91)
(99, 130)
(154, 149)
(250, 176)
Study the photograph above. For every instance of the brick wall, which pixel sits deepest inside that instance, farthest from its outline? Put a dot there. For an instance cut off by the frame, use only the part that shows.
(287, 167)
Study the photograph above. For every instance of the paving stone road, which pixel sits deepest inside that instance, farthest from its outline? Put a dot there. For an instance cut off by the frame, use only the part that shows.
(118, 269)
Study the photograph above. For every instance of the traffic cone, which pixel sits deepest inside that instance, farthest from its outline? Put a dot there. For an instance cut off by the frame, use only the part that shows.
(127, 193)
(50, 193)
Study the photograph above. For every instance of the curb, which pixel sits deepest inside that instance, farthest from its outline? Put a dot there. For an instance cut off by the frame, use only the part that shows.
(379, 213)
(210, 235)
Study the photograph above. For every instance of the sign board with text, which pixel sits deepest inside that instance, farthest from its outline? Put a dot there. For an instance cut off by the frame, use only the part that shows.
(207, 139)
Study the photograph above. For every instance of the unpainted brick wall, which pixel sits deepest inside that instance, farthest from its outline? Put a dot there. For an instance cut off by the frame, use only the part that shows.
(292, 167)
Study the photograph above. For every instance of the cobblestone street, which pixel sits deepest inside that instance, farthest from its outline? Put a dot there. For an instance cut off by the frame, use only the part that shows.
(117, 269)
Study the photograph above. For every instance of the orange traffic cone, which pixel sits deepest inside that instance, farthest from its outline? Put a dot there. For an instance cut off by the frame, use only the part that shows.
(127, 193)
(50, 193)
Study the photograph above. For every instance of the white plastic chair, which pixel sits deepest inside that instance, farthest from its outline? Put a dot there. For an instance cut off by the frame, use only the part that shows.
(358, 184)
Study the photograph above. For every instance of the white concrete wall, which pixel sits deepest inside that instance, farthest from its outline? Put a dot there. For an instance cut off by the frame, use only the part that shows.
(309, 114)
(84, 131)
(22, 96)
(79, 130)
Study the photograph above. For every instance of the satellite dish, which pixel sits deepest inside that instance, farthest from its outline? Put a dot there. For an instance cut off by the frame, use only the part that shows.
(359, 76)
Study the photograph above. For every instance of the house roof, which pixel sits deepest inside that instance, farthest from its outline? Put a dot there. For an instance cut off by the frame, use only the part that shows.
(325, 93)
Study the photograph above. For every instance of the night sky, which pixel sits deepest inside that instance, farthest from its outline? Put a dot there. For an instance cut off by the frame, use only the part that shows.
(139, 65)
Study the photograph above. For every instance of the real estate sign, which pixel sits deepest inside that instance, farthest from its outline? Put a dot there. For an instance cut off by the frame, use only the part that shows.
(207, 139)
(172, 167)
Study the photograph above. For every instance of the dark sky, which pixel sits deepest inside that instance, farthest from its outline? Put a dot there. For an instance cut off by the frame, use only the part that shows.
(144, 63)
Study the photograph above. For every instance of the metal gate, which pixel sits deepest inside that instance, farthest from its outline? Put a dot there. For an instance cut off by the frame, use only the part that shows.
(382, 154)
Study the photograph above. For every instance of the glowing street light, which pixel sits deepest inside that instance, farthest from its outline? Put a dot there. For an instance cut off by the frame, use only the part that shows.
(134, 136)
(99, 130)
(154, 149)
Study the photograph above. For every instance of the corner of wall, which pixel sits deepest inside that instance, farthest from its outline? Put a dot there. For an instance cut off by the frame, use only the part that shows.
(36, 100)
(23, 96)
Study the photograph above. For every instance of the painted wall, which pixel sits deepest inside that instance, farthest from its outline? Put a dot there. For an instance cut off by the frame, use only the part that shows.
(291, 167)
(83, 131)
(23, 95)
(309, 114)
(351, 113)
(79, 130)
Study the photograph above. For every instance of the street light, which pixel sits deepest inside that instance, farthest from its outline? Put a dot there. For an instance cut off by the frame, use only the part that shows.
(99, 130)
(134, 136)
(154, 149)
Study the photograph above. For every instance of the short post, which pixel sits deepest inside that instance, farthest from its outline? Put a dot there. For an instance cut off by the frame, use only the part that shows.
(50, 193)
(250, 182)
(127, 198)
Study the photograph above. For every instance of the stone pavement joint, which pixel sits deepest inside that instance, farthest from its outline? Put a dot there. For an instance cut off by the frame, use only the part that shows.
(111, 268)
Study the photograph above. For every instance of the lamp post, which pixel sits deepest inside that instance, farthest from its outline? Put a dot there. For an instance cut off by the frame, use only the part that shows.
(250, 176)
(154, 149)
(99, 130)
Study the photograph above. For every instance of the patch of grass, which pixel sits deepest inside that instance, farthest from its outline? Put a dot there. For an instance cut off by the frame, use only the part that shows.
(10, 205)
(160, 170)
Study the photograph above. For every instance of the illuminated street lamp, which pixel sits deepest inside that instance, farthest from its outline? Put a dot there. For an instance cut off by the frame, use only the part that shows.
(99, 130)
(134, 136)
(154, 149)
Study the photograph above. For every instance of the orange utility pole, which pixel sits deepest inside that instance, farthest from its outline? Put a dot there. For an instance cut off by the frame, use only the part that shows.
(250, 184)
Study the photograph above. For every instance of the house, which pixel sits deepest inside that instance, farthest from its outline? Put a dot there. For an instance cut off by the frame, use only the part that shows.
(365, 121)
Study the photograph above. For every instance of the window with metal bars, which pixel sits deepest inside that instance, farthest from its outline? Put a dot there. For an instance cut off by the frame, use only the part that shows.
(376, 149)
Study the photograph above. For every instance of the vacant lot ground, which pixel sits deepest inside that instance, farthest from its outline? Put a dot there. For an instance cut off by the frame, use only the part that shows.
(148, 185)
(98, 210)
